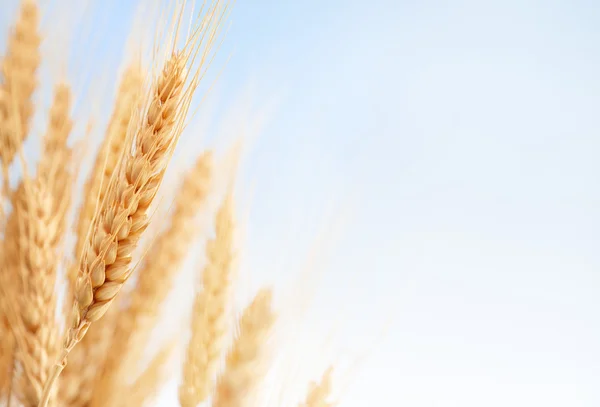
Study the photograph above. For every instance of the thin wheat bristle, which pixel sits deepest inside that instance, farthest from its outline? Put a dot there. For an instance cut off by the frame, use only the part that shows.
(209, 327)
(160, 265)
(37, 267)
(19, 69)
(319, 392)
(243, 366)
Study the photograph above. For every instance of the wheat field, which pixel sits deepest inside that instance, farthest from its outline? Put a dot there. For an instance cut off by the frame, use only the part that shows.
(84, 347)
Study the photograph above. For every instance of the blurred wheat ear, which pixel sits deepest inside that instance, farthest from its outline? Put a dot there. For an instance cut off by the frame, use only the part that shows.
(97, 360)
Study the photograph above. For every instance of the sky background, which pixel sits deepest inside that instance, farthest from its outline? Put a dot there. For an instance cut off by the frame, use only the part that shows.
(456, 143)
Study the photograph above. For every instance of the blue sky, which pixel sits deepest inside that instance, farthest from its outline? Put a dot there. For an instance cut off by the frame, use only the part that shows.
(459, 140)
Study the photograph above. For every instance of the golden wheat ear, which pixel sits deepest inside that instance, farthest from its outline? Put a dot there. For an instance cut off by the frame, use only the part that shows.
(19, 81)
(209, 313)
(38, 338)
(123, 215)
(87, 360)
(36, 231)
(319, 392)
(244, 365)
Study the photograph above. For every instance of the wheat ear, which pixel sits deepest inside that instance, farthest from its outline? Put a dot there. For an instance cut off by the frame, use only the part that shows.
(319, 392)
(40, 207)
(244, 362)
(123, 215)
(37, 267)
(19, 68)
(160, 265)
(209, 325)
(86, 361)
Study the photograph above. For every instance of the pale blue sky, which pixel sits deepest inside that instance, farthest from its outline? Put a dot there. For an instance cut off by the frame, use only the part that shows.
(461, 140)
(469, 130)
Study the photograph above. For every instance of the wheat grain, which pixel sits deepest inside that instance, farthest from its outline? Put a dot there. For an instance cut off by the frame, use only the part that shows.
(244, 362)
(6, 362)
(209, 313)
(7, 340)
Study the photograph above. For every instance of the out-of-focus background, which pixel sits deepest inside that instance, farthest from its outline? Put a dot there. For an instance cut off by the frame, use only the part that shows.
(452, 148)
